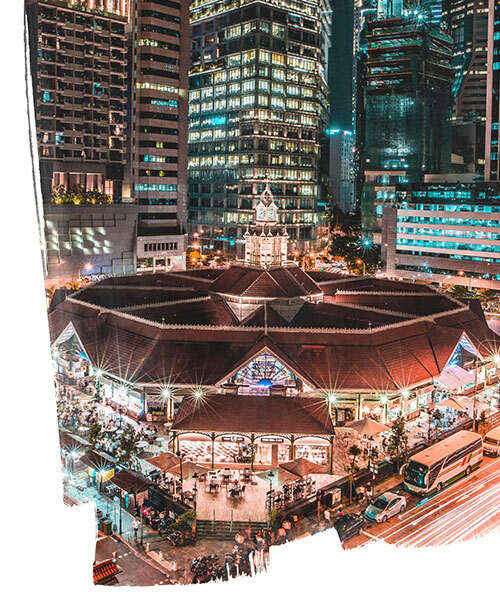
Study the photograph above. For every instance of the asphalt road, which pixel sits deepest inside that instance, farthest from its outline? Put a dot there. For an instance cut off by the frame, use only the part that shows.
(134, 570)
(467, 509)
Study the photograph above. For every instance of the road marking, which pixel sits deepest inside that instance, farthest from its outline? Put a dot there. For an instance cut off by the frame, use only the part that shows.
(370, 535)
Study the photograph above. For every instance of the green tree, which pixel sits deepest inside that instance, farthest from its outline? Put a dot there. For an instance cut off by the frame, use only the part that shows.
(95, 434)
(398, 441)
(128, 446)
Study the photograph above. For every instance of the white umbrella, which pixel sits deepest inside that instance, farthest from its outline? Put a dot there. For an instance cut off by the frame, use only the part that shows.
(367, 426)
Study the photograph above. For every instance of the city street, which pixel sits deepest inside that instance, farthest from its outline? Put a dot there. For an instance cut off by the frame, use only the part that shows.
(467, 509)
(134, 570)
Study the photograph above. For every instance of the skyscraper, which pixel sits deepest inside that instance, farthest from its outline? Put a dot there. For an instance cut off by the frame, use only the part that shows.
(492, 157)
(257, 106)
(407, 103)
(467, 21)
(78, 65)
(157, 165)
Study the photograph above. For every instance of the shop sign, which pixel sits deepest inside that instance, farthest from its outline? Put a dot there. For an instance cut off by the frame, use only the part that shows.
(232, 438)
(272, 440)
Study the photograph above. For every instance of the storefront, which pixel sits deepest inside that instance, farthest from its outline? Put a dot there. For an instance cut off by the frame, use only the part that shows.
(128, 401)
(297, 428)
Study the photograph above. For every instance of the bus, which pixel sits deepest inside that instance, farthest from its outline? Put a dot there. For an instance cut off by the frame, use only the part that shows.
(491, 442)
(431, 469)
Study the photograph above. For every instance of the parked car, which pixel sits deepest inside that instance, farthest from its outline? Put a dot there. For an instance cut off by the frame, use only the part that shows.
(348, 526)
(384, 507)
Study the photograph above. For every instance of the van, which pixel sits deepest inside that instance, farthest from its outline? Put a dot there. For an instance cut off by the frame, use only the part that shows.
(491, 442)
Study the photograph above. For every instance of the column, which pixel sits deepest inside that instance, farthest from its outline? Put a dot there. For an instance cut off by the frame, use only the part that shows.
(212, 435)
(330, 452)
(359, 408)
(274, 455)
(291, 454)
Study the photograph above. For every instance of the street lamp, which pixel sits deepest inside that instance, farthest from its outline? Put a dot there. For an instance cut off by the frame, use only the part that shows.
(181, 456)
(195, 490)
(384, 401)
(360, 261)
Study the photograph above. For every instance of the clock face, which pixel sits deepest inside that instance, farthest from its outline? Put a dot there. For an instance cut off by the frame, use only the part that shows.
(261, 213)
(271, 213)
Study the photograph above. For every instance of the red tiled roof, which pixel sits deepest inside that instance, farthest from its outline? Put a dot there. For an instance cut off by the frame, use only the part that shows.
(203, 312)
(131, 481)
(282, 282)
(313, 343)
(104, 571)
(254, 414)
(409, 304)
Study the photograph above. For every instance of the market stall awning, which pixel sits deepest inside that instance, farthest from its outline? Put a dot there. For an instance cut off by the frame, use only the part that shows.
(303, 467)
(131, 481)
(452, 403)
(70, 441)
(189, 468)
(164, 461)
(278, 476)
(455, 378)
(98, 460)
(367, 426)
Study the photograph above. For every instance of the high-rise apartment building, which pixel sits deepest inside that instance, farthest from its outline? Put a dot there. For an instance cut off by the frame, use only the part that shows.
(78, 66)
(407, 102)
(157, 165)
(492, 156)
(257, 106)
(467, 21)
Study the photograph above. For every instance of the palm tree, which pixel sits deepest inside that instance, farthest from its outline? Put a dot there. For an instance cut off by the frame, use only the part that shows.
(354, 451)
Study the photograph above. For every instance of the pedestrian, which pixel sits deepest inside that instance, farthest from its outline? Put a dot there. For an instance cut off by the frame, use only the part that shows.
(281, 536)
(135, 526)
(287, 526)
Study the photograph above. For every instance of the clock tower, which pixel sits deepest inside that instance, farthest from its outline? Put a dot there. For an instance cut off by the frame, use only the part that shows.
(266, 247)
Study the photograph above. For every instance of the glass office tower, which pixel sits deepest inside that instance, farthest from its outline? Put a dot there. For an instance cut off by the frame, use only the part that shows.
(257, 110)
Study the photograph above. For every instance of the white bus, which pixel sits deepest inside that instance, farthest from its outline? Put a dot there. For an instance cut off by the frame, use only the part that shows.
(491, 442)
(433, 468)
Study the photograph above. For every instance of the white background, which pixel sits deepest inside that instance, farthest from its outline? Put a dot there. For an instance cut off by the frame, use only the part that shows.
(47, 547)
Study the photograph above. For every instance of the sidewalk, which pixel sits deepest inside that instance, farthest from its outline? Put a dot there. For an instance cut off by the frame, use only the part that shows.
(109, 508)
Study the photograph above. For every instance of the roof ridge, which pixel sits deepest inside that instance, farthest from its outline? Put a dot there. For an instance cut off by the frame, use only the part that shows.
(161, 303)
(158, 325)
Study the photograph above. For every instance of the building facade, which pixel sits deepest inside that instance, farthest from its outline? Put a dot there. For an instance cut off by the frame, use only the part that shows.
(157, 165)
(78, 65)
(86, 241)
(407, 102)
(257, 105)
(492, 156)
(467, 21)
(444, 232)
(342, 169)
